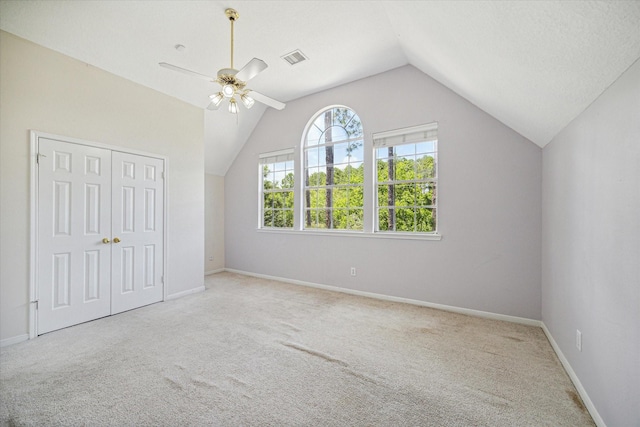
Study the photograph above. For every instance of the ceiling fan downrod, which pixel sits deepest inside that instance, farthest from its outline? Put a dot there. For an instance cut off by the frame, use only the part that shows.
(233, 16)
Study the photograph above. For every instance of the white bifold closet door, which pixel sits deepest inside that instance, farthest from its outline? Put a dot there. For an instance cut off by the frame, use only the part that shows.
(100, 233)
(137, 222)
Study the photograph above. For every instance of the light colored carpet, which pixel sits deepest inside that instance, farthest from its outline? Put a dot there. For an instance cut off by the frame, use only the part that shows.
(252, 352)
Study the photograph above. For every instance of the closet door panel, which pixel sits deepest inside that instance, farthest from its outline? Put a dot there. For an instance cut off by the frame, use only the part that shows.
(73, 271)
(138, 230)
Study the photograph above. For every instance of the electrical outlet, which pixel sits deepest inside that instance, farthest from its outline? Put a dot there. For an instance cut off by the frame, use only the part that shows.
(210, 258)
(353, 271)
(578, 340)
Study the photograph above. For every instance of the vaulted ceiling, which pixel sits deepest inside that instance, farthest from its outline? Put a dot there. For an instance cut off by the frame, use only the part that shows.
(534, 65)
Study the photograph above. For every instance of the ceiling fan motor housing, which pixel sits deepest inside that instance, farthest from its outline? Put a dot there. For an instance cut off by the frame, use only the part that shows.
(227, 76)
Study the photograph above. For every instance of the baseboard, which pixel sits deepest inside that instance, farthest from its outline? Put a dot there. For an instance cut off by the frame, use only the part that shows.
(14, 340)
(467, 311)
(574, 378)
(209, 273)
(185, 293)
(488, 315)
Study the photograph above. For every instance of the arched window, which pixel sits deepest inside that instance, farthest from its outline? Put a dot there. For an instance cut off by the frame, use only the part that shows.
(333, 171)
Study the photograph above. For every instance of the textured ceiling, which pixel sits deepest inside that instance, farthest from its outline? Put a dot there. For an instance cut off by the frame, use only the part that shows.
(534, 65)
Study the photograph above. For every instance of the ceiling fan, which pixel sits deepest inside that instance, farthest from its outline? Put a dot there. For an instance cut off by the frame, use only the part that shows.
(233, 82)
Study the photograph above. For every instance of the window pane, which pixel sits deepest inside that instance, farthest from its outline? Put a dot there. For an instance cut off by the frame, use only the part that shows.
(267, 200)
(317, 198)
(405, 219)
(356, 150)
(356, 173)
(278, 218)
(405, 168)
(383, 152)
(425, 167)
(340, 153)
(313, 214)
(278, 178)
(426, 147)
(426, 220)
(383, 170)
(311, 157)
(340, 197)
(340, 219)
(288, 180)
(281, 200)
(321, 156)
(405, 194)
(288, 218)
(355, 195)
(383, 220)
(314, 177)
(426, 194)
(405, 149)
(383, 195)
(311, 198)
(355, 219)
(268, 218)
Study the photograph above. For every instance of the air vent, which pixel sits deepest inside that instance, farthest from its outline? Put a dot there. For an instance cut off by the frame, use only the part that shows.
(294, 57)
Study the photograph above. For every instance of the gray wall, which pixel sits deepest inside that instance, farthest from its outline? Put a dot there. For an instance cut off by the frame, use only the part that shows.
(489, 257)
(591, 247)
(213, 223)
(49, 92)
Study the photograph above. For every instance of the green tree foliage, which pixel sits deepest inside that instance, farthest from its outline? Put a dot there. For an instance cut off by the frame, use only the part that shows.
(278, 200)
(406, 202)
(347, 198)
(339, 199)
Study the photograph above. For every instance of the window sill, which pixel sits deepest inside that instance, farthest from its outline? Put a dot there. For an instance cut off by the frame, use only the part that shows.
(376, 235)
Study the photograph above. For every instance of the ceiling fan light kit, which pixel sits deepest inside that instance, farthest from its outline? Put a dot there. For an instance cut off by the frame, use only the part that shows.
(216, 100)
(232, 81)
(233, 106)
(247, 100)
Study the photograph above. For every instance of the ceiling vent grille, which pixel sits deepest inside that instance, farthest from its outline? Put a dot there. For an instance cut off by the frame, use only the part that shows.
(294, 57)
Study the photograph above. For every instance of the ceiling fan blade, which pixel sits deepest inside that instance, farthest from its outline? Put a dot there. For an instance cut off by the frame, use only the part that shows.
(266, 100)
(185, 71)
(252, 69)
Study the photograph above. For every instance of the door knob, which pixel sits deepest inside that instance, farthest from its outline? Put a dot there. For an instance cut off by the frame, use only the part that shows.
(116, 240)
(105, 240)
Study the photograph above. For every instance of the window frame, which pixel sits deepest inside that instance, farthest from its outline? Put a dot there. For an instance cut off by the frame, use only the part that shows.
(414, 135)
(304, 168)
(279, 156)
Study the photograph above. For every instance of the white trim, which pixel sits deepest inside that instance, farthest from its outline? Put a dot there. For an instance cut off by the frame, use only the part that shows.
(467, 311)
(210, 272)
(574, 378)
(79, 141)
(395, 137)
(33, 249)
(14, 340)
(185, 293)
(286, 151)
(33, 235)
(341, 233)
(165, 234)
(477, 313)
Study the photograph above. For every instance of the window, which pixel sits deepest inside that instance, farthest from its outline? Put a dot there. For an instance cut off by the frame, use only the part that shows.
(333, 171)
(406, 179)
(276, 195)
